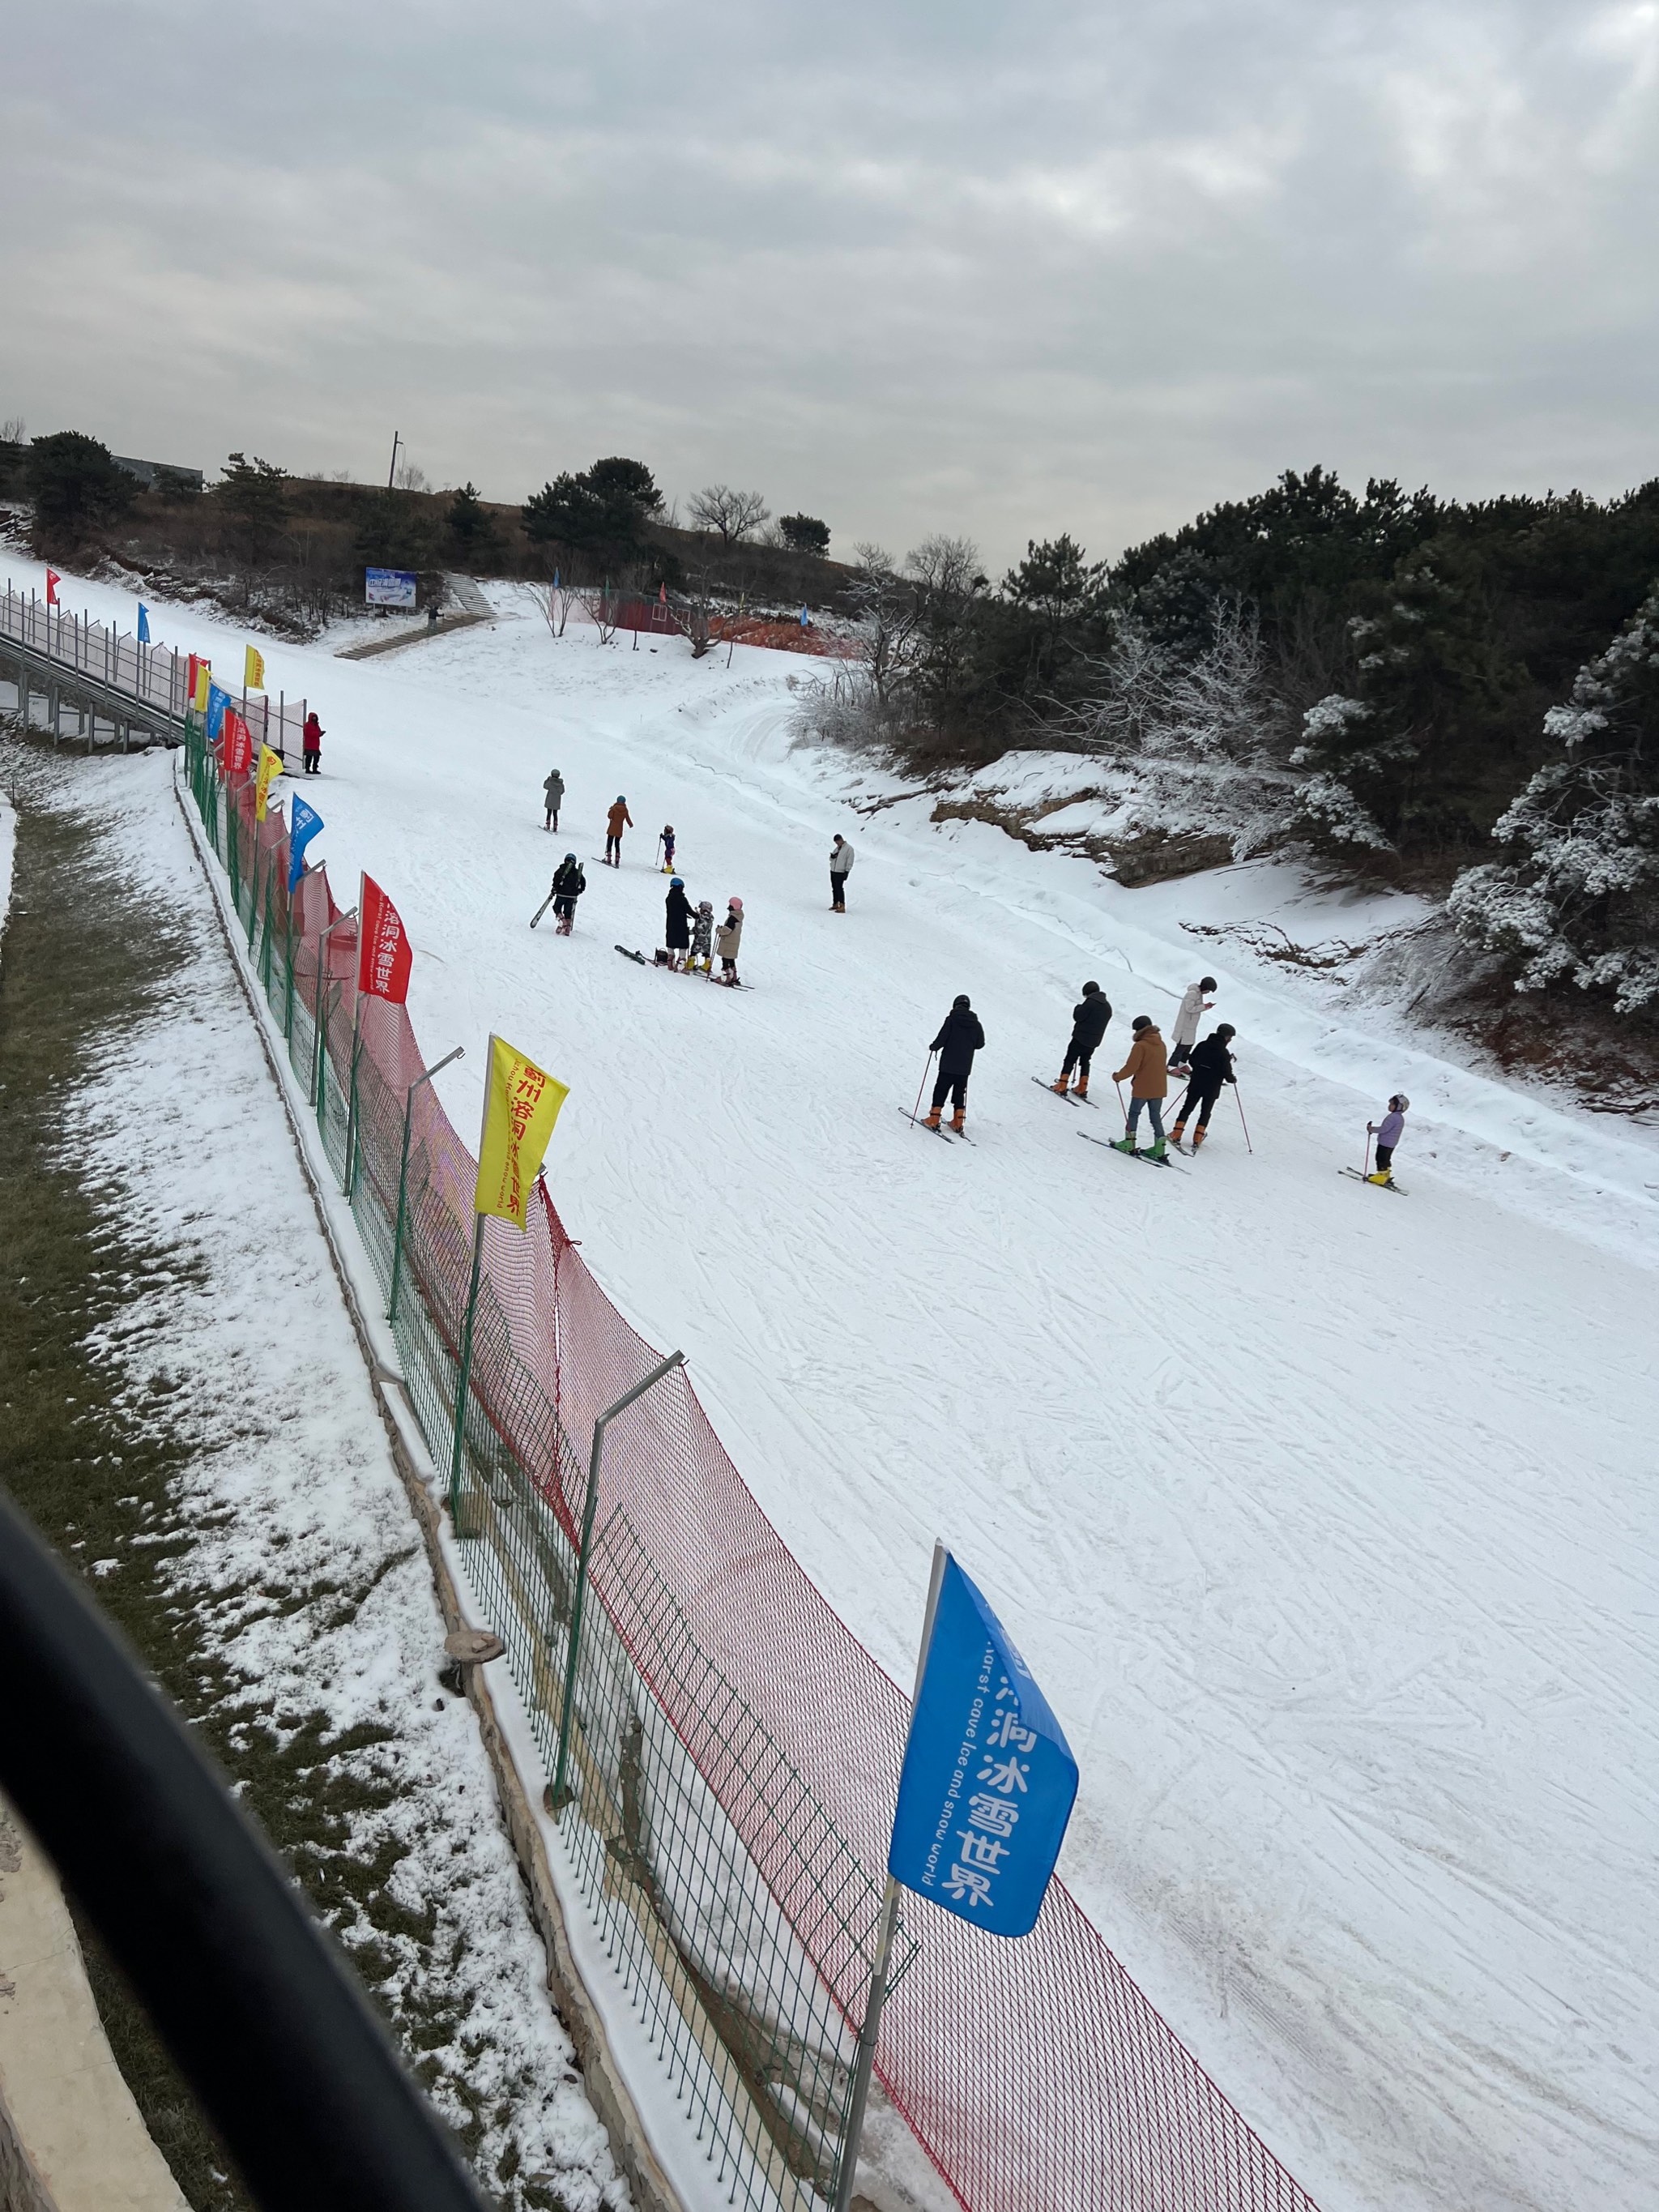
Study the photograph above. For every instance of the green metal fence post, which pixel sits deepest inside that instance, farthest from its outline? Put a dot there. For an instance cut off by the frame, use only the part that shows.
(561, 1793)
(425, 1076)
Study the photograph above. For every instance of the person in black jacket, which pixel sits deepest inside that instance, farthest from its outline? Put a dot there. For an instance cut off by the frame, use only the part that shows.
(1212, 1066)
(1089, 1019)
(678, 936)
(569, 884)
(959, 1038)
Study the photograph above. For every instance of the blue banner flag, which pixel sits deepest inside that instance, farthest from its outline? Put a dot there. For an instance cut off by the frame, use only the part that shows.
(217, 703)
(989, 1779)
(303, 824)
(144, 623)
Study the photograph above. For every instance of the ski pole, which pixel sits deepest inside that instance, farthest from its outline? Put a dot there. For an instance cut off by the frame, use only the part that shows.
(1239, 1103)
(1122, 1109)
(920, 1087)
(1368, 1148)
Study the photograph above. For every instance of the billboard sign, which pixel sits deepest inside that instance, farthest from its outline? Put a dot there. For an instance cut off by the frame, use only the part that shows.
(390, 587)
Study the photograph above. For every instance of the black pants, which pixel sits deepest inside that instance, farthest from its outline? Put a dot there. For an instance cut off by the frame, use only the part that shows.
(956, 1084)
(837, 888)
(1077, 1056)
(1384, 1158)
(552, 821)
(565, 909)
(313, 763)
(1204, 1099)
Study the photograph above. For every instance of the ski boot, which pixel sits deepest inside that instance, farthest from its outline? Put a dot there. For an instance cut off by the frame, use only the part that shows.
(1156, 1150)
(959, 1120)
(1125, 1145)
(930, 1118)
(1199, 1135)
(1385, 1176)
(1176, 1133)
(1063, 1086)
(1081, 1088)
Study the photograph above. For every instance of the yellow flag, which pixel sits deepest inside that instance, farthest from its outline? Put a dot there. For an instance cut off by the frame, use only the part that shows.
(521, 1104)
(270, 767)
(253, 669)
(203, 677)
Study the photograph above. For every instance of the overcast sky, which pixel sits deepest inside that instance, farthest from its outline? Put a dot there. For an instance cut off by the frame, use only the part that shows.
(1003, 270)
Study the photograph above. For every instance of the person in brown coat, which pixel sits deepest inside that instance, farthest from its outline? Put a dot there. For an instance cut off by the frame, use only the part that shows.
(615, 822)
(1147, 1069)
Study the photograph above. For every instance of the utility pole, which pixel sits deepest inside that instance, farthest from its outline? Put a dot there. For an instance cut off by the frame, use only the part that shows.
(392, 472)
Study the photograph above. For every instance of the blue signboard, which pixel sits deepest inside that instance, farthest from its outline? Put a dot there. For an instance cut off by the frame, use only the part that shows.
(988, 1780)
(390, 587)
(303, 824)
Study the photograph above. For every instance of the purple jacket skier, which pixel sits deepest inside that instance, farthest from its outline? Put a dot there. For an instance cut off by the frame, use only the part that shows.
(1387, 1133)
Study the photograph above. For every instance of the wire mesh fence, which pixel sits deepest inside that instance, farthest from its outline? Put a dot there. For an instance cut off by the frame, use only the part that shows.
(733, 1754)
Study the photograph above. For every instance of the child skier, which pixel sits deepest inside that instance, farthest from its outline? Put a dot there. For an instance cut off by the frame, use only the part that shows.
(961, 1035)
(1089, 1019)
(568, 885)
(702, 938)
(676, 926)
(1148, 1070)
(615, 821)
(730, 936)
(1184, 1037)
(1387, 1133)
(553, 791)
(1211, 1066)
(668, 848)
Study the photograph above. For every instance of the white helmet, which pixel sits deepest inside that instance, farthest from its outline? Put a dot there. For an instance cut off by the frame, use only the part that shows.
(1400, 1102)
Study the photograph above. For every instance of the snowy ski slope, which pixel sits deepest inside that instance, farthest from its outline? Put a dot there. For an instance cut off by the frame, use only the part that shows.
(1326, 1518)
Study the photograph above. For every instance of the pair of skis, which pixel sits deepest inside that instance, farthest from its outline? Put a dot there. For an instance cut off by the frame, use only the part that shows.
(1354, 1174)
(951, 1136)
(1072, 1099)
(628, 953)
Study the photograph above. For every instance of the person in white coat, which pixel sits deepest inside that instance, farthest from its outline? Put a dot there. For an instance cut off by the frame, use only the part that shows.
(1193, 1006)
(841, 866)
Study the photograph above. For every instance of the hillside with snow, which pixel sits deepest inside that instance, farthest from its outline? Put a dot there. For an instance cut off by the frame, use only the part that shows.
(1326, 1516)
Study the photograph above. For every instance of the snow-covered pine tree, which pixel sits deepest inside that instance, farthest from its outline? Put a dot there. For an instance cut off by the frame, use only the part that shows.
(1578, 899)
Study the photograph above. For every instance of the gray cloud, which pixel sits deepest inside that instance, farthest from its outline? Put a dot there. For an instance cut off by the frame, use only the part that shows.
(1084, 267)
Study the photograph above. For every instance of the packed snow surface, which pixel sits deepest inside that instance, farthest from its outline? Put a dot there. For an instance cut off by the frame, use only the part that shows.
(1326, 1516)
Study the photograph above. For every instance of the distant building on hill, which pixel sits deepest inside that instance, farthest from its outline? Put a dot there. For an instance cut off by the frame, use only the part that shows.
(160, 476)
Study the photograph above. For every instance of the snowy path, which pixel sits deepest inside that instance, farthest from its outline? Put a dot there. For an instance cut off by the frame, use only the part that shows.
(1327, 1517)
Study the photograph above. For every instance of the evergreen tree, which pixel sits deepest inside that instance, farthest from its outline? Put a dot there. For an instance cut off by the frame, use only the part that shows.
(601, 513)
(251, 497)
(1578, 900)
(74, 485)
(804, 533)
(471, 527)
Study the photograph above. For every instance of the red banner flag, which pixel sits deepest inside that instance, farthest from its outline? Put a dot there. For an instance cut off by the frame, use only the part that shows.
(237, 757)
(384, 951)
(54, 579)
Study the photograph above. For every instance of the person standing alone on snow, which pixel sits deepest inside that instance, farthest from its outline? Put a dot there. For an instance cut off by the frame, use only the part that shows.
(311, 744)
(1193, 1006)
(1089, 1019)
(1387, 1132)
(1148, 1071)
(568, 885)
(959, 1038)
(553, 791)
(615, 822)
(1211, 1066)
(677, 928)
(728, 940)
(841, 866)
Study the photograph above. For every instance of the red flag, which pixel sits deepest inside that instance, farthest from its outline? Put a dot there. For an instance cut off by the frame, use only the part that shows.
(237, 755)
(54, 579)
(190, 680)
(384, 951)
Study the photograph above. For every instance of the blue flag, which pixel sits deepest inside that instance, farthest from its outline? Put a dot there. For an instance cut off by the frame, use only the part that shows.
(217, 703)
(144, 623)
(303, 824)
(989, 1779)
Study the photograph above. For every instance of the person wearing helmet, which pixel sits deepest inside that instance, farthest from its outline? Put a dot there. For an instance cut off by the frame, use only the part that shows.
(1148, 1070)
(553, 791)
(666, 840)
(676, 930)
(702, 938)
(1089, 1019)
(960, 1037)
(1387, 1133)
(729, 939)
(1211, 1066)
(569, 884)
(1194, 1005)
(615, 822)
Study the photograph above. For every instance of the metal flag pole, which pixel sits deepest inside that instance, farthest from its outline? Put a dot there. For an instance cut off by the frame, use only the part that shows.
(425, 1076)
(864, 2064)
(318, 1062)
(590, 1506)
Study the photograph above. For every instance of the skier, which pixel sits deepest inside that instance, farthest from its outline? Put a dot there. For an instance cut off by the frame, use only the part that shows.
(960, 1037)
(668, 841)
(730, 936)
(1185, 1034)
(677, 931)
(841, 866)
(702, 938)
(1089, 1018)
(615, 822)
(568, 885)
(1148, 1071)
(1211, 1066)
(553, 790)
(311, 744)
(1387, 1133)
